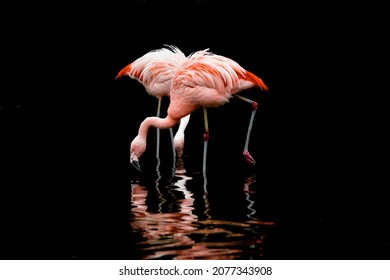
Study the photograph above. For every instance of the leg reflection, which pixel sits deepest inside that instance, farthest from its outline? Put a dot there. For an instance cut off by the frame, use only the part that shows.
(171, 224)
(249, 181)
(175, 222)
(205, 197)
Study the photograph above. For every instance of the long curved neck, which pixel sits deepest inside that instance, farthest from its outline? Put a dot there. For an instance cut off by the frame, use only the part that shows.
(162, 123)
(183, 124)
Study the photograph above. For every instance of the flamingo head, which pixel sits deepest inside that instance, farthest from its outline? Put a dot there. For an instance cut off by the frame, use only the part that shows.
(137, 148)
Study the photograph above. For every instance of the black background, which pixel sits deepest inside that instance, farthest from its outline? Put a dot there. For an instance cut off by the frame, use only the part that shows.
(67, 124)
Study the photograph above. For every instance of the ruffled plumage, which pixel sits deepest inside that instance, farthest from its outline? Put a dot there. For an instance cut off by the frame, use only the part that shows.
(155, 69)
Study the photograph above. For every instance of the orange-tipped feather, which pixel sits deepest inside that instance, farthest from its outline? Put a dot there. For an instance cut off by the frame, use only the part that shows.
(256, 80)
(124, 71)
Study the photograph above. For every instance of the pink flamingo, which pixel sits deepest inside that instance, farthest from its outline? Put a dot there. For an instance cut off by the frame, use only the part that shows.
(204, 79)
(154, 71)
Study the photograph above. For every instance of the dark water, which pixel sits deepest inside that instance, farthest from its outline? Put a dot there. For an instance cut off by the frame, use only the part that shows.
(239, 211)
(188, 217)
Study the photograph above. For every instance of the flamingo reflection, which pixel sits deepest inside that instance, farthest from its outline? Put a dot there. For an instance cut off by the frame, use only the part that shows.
(169, 235)
(165, 217)
(172, 227)
(157, 224)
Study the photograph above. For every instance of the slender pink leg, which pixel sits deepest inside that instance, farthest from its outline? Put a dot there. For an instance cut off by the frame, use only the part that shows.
(158, 131)
(158, 135)
(205, 138)
(246, 153)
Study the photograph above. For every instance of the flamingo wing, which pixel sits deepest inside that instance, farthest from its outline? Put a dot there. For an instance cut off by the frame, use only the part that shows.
(208, 70)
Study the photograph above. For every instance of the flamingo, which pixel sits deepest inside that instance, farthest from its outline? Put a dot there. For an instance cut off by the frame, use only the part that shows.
(204, 79)
(154, 70)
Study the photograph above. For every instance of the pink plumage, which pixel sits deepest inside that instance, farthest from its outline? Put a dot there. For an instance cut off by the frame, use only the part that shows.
(155, 69)
(203, 79)
(209, 80)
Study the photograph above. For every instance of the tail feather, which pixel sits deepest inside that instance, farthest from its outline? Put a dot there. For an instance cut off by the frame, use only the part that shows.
(256, 80)
(124, 71)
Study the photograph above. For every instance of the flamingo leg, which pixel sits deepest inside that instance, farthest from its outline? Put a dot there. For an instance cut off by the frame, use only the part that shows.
(205, 142)
(205, 138)
(158, 131)
(254, 104)
(173, 148)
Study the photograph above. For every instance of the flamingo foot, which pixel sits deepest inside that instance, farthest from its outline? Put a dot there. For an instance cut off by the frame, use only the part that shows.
(249, 158)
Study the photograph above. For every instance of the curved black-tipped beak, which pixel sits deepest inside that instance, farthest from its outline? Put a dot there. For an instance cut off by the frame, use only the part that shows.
(135, 163)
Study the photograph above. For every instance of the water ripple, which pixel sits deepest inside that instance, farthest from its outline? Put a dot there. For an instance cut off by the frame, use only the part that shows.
(171, 226)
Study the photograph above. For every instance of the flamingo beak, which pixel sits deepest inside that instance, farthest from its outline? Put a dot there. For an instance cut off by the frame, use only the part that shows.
(136, 165)
(134, 161)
